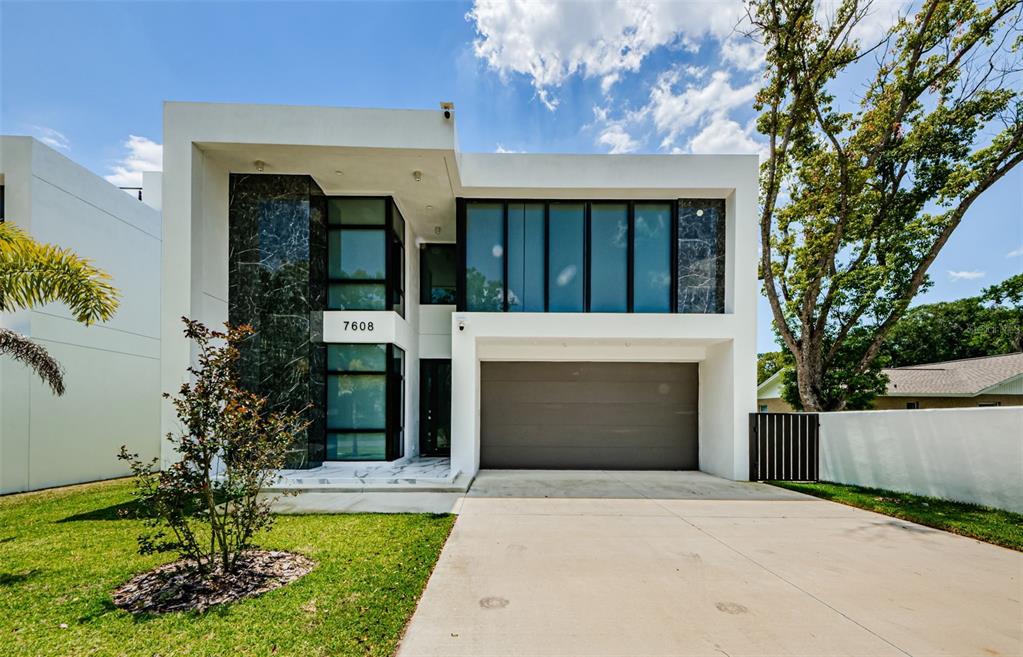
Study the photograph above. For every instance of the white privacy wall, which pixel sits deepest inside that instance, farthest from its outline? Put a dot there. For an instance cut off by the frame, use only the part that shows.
(111, 369)
(963, 454)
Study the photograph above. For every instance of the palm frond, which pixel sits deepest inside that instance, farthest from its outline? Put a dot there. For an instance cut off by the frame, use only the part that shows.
(34, 356)
(33, 274)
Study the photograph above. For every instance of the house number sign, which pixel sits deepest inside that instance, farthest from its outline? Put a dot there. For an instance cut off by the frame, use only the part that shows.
(350, 325)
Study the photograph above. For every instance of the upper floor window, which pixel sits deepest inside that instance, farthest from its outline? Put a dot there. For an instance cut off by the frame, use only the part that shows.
(437, 274)
(365, 255)
(597, 256)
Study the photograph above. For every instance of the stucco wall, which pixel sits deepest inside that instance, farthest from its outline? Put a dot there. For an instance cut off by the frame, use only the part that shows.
(971, 455)
(112, 369)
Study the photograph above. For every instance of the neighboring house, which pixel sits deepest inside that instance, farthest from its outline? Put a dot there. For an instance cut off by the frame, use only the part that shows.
(111, 369)
(971, 382)
(503, 310)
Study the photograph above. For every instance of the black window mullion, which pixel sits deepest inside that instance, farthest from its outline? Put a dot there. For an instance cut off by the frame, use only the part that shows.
(546, 257)
(630, 258)
(673, 260)
(460, 254)
(586, 256)
(388, 257)
(504, 255)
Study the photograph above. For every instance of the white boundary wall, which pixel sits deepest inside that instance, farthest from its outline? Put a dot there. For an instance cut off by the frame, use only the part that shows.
(964, 454)
(111, 369)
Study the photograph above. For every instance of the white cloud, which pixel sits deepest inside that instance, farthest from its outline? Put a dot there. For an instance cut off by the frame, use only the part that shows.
(723, 136)
(501, 149)
(50, 137)
(674, 113)
(143, 155)
(1015, 253)
(965, 275)
(550, 41)
(619, 141)
(743, 53)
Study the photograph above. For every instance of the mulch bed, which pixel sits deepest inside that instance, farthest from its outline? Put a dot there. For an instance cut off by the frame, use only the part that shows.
(178, 586)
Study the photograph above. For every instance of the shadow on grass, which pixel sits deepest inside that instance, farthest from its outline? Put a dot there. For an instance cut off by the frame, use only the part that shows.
(10, 579)
(126, 511)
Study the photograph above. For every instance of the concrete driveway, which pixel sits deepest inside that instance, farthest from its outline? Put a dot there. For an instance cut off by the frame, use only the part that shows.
(670, 563)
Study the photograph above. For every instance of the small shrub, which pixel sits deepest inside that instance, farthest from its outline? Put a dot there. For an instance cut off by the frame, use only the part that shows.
(205, 506)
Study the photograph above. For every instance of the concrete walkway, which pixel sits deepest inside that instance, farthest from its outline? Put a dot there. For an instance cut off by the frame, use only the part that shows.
(638, 564)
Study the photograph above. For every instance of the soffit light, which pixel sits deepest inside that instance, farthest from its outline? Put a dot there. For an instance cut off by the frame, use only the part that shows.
(417, 175)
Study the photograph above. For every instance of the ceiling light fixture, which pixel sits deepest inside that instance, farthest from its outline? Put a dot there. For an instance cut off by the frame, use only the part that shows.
(339, 172)
(260, 165)
(418, 175)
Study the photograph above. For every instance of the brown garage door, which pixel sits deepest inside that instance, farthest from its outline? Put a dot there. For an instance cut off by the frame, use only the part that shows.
(608, 416)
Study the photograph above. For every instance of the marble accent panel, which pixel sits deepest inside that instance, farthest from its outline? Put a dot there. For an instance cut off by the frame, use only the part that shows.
(270, 277)
(701, 256)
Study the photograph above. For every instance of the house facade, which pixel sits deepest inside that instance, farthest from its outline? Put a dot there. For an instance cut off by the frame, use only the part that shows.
(498, 310)
(966, 383)
(111, 369)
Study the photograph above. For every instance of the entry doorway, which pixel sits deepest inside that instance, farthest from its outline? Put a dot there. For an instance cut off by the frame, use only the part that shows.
(435, 407)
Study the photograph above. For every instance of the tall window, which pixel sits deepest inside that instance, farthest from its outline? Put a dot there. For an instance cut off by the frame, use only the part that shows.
(526, 240)
(437, 274)
(609, 252)
(565, 277)
(484, 257)
(651, 257)
(365, 402)
(365, 255)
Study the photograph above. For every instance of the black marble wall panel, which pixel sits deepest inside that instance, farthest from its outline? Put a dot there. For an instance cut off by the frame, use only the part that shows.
(271, 256)
(701, 256)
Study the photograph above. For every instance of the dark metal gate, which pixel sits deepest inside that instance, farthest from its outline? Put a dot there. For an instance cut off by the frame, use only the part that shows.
(784, 446)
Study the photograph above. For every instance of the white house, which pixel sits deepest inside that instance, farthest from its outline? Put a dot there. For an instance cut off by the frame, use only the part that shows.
(112, 370)
(500, 310)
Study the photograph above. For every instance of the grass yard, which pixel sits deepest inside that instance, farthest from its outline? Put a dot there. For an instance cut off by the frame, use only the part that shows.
(63, 551)
(990, 525)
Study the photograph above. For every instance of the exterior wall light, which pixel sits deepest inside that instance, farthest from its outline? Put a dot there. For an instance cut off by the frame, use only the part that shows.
(260, 165)
(418, 175)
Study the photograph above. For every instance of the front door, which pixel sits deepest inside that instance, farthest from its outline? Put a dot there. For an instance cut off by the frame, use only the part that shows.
(435, 407)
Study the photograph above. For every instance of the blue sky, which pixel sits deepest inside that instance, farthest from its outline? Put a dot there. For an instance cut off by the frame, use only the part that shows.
(575, 77)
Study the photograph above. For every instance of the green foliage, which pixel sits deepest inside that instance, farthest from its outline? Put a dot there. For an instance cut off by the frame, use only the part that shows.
(859, 198)
(995, 526)
(966, 328)
(34, 274)
(206, 505)
(768, 363)
(62, 552)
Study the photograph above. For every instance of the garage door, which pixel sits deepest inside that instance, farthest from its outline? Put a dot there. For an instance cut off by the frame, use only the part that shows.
(608, 416)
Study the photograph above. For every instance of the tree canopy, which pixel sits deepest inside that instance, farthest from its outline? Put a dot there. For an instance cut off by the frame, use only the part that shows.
(857, 199)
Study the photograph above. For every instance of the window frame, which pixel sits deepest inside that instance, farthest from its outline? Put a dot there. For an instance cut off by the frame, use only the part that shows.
(461, 254)
(425, 292)
(394, 256)
(394, 401)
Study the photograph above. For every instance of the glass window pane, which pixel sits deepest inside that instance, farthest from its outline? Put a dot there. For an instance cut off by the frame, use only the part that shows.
(359, 211)
(347, 296)
(566, 257)
(356, 401)
(356, 254)
(484, 284)
(609, 242)
(525, 257)
(357, 357)
(651, 291)
(437, 284)
(356, 446)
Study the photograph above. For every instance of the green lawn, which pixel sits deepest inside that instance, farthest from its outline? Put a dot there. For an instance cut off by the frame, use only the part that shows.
(990, 525)
(63, 551)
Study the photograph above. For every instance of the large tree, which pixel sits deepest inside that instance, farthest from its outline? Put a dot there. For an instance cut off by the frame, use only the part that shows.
(33, 274)
(858, 198)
